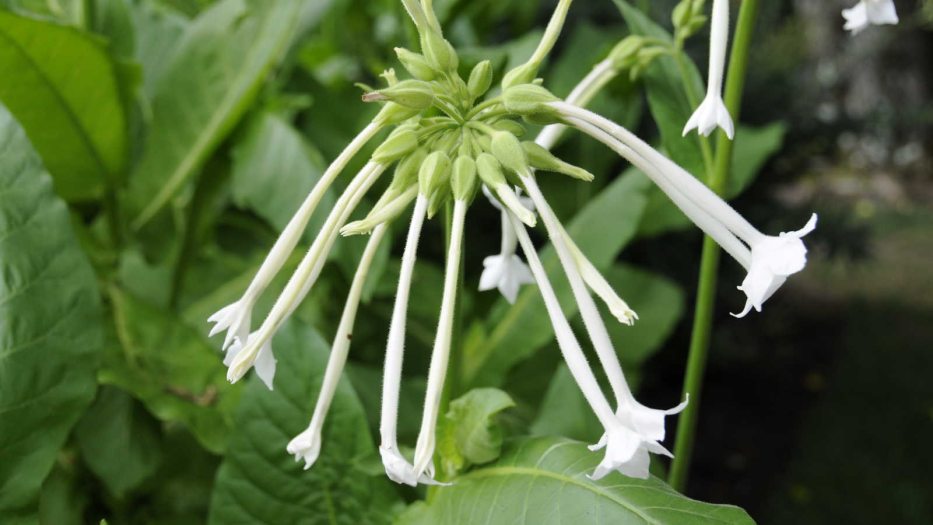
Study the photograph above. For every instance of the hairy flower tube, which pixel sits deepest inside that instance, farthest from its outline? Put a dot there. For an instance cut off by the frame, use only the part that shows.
(448, 139)
(869, 12)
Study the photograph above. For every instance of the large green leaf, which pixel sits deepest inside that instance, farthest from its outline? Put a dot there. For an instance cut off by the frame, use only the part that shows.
(518, 331)
(119, 441)
(171, 368)
(50, 325)
(67, 92)
(274, 168)
(753, 148)
(216, 73)
(544, 481)
(260, 483)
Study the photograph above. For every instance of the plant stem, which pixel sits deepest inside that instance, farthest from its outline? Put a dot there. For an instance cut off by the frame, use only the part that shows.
(709, 265)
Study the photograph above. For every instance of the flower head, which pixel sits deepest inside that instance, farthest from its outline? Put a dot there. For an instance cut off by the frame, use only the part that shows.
(505, 271)
(773, 260)
(869, 12)
(712, 111)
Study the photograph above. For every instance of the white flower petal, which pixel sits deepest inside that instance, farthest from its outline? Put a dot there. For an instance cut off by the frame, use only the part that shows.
(306, 446)
(711, 113)
(399, 470)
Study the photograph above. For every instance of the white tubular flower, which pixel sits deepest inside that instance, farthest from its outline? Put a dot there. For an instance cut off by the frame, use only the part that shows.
(397, 467)
(505, 271)
(768, 259)
(235, 318)
(424, 450)
(869, 12)
(773, 260)
(304, 277)
(307, 445)
(712, 111)
(621, 443)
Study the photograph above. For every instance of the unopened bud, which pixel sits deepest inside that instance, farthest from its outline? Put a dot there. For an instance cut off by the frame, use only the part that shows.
(438, 52)
(508, 151)
(529, 100)
(523, 74)
(415, 63)
(386, 210)
(542, 159)
(400, 142)
(414, 94)
(393, 113)
(434, 172)
(624, 53)
(463, 178)
(490, 172)
(510, 126)
(480, 79)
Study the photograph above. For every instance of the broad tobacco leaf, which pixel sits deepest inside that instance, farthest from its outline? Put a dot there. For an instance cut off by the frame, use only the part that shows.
(50, 325)
(543, 481)
(70, 95)
(216, 72)
(171, 368)
(260, 483)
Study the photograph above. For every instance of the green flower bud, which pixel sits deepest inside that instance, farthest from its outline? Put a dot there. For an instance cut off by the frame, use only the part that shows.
(508, 151)
(528, 99)
(400, 142)
(463, 179)
(414, 94)
(393, 113)
(434, 172)
(542, 159)
(390, 206)
(438, 52)
(480, 79)
(490, 172)
(406, 171)
(624, 53)
(415, 64)
(523, 74)
(510, 126)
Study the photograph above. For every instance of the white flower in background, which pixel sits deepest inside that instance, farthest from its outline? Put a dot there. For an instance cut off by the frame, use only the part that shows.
(869, 12)
(769, 260)
(712, 111)
(505, 271)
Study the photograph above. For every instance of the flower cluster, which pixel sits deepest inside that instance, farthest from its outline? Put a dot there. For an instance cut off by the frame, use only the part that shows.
(451, 139)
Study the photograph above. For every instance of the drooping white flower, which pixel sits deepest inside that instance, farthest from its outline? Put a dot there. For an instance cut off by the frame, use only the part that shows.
(869, 12)
(259, 342)
(307, 445)
(626, 448)
(768, 259)
(235, 318)
(712, 111)
(773, 260)
(505, 271)
(262, 360)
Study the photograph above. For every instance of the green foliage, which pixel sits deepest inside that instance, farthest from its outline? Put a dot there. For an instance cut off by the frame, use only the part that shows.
(48, 347)
(471, 428)
(215, 75)
(260, 483)
(68, 93)
(169, 366)
(544, 480)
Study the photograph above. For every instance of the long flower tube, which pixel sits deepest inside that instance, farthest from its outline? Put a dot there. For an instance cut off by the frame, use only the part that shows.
(712, 111)
(626, 450)
(396, 466)
(235, 317)
(307, 445)
(772, 258)
(646, 421)
(257, 348)
(440, 356)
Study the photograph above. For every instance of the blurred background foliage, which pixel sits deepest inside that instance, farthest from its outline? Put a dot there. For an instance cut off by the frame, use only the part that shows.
(212, 120)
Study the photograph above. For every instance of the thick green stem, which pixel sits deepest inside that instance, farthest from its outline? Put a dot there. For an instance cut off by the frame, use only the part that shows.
(709, 265)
